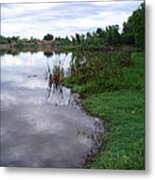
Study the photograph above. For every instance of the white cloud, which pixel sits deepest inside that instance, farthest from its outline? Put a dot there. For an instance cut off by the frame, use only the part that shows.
(62, 19)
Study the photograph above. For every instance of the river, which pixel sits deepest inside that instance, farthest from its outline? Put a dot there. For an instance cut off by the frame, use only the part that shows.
(43, 126)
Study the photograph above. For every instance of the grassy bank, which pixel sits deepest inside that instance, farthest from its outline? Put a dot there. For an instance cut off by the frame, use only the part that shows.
(120, 103)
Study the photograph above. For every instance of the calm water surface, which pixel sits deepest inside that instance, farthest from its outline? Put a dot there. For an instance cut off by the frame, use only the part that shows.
(42, 126)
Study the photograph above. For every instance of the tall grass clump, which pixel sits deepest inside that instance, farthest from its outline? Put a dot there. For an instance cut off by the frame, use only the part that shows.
(100, 72)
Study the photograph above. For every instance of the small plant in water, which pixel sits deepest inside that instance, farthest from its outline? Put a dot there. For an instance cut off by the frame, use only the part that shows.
(55, 78)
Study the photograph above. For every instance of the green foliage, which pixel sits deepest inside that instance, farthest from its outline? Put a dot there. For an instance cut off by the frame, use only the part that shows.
(63, 41)
(8, 40)
(127, 35)
(48, 37)
(133, 34)
(119, 102)
(95, 40)
(78, 40)
(138, 24)
(112, 36)
(3, 40)
(134, 29)
(107, 72)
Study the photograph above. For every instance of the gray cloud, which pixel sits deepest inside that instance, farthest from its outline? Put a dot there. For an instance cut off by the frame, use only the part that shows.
(62, 19)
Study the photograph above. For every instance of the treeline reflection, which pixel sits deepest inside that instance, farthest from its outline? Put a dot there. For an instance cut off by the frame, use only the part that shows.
(47, 52)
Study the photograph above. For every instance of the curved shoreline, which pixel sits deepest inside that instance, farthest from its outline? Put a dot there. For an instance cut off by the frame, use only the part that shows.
(122, 111)
(100, 139)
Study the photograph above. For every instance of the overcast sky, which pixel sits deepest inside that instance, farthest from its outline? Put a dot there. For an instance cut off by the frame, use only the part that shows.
(61, 19)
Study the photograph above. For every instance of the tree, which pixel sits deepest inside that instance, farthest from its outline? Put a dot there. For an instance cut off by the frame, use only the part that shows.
(88, 35)
(134, 29)
(15, 38)
(62, 41)
(127, 34)
(77, 38)
(82, 38)
(67, 41)
(48, 37)
(73, 40)
(112, 35)
(138, 25)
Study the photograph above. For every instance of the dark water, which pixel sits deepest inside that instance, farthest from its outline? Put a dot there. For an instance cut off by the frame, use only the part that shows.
(42, 126)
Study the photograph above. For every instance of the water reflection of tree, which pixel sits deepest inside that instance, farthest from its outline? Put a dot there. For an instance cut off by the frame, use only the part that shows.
(13, 52)
(48, 54)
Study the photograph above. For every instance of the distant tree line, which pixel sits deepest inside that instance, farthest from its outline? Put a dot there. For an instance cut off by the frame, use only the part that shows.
(8, 40)
(133, 34)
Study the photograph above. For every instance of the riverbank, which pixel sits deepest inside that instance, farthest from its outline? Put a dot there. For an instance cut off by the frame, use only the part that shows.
(122, 110)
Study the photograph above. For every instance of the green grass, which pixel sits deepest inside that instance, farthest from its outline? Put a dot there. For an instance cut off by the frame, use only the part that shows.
(123, 112)
(121, 107)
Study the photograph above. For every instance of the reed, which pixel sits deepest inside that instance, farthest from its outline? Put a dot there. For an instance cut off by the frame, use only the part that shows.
(105, 69)
(55, 75)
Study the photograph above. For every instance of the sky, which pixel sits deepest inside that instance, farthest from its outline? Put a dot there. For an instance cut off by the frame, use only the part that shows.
(62, 19)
